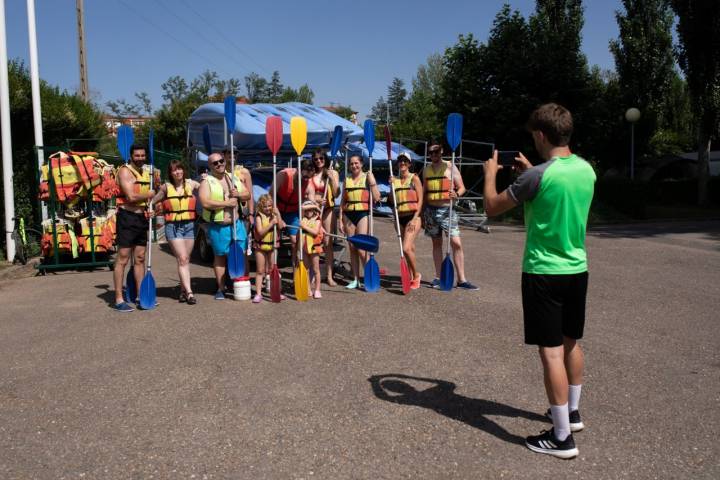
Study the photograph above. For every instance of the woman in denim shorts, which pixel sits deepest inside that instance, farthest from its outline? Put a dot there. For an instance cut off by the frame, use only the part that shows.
(178, 207)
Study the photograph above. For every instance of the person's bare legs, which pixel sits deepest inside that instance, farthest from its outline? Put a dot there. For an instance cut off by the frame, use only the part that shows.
(574, 361)
(315, 262)
(437, 246)
(329, 222)
(121, 260)
(554, 374)
(181, 248)
(219, 263)
(138, 253)
(362, 229)
(458, 258)
(261, 261)
(409, 233)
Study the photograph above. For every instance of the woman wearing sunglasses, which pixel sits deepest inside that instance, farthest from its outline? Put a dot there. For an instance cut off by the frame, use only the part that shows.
(326, 179)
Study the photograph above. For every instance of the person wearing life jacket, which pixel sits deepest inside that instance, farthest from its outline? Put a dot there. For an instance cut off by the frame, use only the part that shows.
(354, 210)
(178, 208)
(287, 199)
(409, 194)
(246, 208)
(220, 194)
(266, 218)
(438, 194)
(132, 223)
(326, 183)
(312, 243)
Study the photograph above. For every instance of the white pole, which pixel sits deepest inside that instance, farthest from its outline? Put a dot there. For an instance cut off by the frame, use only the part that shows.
(8, 194)
(35, 81)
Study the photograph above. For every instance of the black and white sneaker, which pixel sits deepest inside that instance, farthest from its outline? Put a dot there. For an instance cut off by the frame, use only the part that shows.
(576, 423)
(548, 444)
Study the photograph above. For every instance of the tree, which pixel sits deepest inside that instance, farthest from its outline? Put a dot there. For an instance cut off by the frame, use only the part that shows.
(698, 54)
(175, 88)
(305, 94)
(645, 64)
(379, 111)
(145, 104)
(461, 83)
(255, 88)
(397, 96)
(274, 90)
(121, 108)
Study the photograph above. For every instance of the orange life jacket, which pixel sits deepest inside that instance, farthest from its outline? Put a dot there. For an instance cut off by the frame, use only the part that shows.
(141, 185)
(438, 184)
(67, 242)
(407, 197)
(179, 204)
(67, 181)
(287, 197)
(313, 244)
(356, 194)
(97, 238)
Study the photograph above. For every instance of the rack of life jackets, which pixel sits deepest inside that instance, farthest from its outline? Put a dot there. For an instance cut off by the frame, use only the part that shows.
(79, 189)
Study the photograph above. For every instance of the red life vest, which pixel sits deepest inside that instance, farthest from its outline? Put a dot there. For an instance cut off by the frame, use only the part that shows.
(287, 197)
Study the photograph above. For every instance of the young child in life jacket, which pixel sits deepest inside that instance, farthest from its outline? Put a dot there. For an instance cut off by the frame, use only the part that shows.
(312, 243)
(267, 217)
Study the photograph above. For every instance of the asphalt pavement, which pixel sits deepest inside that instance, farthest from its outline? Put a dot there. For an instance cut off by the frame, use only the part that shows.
(358, 385)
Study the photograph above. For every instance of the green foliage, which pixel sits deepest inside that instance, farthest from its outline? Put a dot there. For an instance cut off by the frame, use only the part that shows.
(397, 96)
(65, 116)
(698, 54)
(260, 90)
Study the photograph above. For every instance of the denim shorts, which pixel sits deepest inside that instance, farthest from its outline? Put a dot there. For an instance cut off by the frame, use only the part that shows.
(183, 230)
(220, 237)
(436, 221)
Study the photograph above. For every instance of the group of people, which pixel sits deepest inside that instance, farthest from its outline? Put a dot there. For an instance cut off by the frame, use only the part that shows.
(223, 196)
(556, 195)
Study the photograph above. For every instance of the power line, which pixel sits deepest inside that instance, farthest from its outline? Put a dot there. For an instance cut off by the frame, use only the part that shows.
(173, 37)
(200, 34)
(225, 37)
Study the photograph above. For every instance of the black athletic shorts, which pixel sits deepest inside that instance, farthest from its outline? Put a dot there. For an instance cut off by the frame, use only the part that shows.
(132, 229)
(553, 307)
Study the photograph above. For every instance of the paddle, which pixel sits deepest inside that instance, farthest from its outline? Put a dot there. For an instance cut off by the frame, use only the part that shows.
(236, 254)
(148, 293)
(404, 270)
(273, 138)
(298, 137)
(372, 269)
(361, 242)
(453, 133)
(125, 139)
(206, 139)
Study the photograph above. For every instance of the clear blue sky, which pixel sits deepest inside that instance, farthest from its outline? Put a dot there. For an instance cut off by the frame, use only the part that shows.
(347, 51)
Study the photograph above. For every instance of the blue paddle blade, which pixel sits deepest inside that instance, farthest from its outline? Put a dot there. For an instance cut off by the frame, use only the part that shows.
(336, 140)
(369, 135)
(206, 139)
(236, 260)
(151, 146)
(447, 274)
(230, 108)
(130, 286)
(365, 242)
(148, 294)
(372, 275)
(453, 130)
(125, 138)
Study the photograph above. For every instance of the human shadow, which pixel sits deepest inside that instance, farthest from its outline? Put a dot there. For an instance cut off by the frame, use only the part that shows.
(442, 399)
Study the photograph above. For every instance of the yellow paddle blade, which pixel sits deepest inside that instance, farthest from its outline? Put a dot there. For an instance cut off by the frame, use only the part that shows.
(301, 282)
(298, 133)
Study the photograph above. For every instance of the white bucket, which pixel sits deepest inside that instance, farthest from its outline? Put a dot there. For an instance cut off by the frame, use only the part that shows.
(241, 289)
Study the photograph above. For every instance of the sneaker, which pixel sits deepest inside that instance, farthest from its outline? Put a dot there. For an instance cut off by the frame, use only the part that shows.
(435, 283)
(219, 295)
(123, 307)
(257, 298)
(467, 285)
(576, 423)
(415, 283)
(182, 298)
(353, 284)
(548, 444)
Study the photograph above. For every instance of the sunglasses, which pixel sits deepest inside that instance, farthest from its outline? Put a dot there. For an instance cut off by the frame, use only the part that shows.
(319, 158)
(217, 162)
(433, 152)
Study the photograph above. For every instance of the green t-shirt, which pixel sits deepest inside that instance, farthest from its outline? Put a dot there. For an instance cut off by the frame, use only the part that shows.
(556, 196)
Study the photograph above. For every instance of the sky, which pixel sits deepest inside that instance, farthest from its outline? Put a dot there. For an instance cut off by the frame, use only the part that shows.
(348, 52)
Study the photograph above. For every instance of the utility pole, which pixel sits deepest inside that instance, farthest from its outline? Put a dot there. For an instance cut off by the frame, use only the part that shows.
(7, 161)
(84, 90)
(35, 83)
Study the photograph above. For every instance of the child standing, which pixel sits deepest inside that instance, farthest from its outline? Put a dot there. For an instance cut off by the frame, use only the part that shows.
(313, 237)
(266, 218)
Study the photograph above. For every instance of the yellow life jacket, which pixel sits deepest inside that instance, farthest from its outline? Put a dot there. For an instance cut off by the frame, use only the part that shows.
(438, 184)
(407, 198)
(357, 195)
(67, 182)
(179, 204)
(140, 187)
(67, 242)
(313, 243)
(97, 238)
(267, 242)
(217, 194)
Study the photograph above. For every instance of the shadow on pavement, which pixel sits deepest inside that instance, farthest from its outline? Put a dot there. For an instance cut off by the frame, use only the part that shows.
(442, 399)
(709, 228)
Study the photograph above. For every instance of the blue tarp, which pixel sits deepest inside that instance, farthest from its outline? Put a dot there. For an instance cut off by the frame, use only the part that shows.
(249, 134)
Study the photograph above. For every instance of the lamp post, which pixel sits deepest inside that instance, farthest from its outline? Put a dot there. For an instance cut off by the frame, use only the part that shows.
(632, 115)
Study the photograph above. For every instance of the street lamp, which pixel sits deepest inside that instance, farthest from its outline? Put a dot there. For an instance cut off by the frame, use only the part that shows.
(632, 115)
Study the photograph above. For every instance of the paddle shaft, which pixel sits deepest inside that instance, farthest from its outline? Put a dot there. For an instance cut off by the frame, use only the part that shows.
(275, 253)
(300, 232)
(450, 210)
(148, 264)
(397, 214)
(232, 185)
(372, 200)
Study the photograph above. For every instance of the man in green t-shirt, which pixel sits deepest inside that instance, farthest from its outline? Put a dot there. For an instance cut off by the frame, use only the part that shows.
(556, 196)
